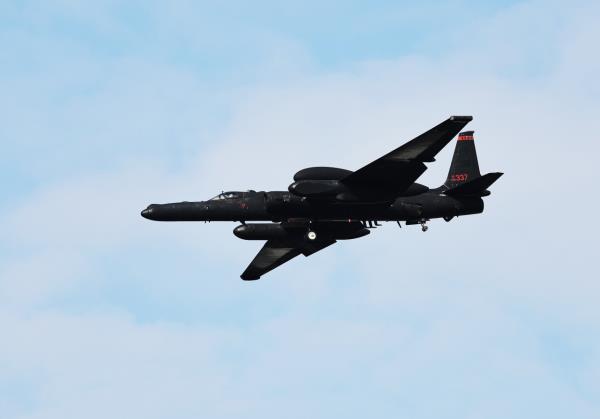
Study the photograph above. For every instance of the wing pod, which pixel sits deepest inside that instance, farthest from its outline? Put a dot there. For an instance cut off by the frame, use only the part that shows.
(316, 188)
(335, 230)
(261, 231)
(321, 173)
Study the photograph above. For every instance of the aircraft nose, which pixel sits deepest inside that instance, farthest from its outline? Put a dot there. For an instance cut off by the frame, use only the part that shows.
(147, 213)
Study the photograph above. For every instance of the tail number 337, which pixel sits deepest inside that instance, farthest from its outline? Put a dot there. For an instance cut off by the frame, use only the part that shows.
(459, 177)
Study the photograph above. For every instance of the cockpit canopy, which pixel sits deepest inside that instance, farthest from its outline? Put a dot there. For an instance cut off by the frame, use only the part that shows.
(231, 195)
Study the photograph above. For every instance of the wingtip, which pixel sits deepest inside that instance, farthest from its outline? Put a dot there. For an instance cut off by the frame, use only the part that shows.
(494, 175)
(463, 118)
(247, 277)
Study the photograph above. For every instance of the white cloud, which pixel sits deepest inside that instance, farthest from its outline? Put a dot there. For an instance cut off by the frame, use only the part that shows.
(453, 322)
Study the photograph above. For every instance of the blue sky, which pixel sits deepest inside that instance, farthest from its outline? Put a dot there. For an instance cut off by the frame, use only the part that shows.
(112, 105)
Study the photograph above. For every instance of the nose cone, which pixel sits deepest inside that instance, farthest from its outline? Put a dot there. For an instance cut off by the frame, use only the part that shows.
(147, 213)
(176, 211)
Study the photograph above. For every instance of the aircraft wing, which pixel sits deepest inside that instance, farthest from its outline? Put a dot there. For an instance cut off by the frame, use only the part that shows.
(400, 168)
(277, 252)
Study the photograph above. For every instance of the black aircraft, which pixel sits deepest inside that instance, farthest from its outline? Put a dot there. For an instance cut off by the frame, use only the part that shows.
(326, 204)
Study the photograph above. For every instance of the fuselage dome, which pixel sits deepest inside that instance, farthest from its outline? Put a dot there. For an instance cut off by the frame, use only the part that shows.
(322, 173)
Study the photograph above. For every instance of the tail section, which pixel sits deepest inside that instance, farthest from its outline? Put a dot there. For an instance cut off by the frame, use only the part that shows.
(475, 187)
(464, 166)
(464, 178)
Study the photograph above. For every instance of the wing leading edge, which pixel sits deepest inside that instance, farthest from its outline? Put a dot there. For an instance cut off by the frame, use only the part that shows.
(277, 252)
(401, 167)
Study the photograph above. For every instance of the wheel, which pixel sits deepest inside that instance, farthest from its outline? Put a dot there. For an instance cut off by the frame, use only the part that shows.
(311, 235)
(424, 228)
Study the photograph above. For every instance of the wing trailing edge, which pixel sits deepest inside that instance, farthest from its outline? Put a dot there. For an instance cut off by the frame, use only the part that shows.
(401, 167)
(277, 252)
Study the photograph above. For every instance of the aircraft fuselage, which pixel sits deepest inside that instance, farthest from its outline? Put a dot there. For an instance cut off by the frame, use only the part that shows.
(278, 206)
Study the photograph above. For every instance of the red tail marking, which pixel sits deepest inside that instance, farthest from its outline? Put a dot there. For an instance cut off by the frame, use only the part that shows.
(459, 177)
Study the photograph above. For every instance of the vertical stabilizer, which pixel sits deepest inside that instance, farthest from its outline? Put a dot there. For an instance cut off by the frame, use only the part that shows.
(464, 165)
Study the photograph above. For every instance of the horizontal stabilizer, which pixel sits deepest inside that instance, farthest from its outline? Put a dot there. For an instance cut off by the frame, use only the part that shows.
(475, 187)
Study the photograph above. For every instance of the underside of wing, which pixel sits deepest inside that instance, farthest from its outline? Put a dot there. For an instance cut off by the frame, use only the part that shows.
(276, 252)
(400, 168)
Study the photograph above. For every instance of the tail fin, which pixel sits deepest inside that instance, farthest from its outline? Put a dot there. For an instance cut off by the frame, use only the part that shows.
(464, 166)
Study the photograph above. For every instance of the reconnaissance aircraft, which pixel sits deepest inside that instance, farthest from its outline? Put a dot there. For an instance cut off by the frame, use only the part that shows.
(326, 204)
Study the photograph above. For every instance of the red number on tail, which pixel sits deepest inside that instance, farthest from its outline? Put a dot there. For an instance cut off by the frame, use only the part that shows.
(459, 177)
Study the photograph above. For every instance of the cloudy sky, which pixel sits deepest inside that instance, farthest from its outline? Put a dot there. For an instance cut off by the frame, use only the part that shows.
(108, 106)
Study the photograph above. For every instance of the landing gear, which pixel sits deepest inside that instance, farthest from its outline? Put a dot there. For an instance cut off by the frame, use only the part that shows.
(311, 235)
(424, 228)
